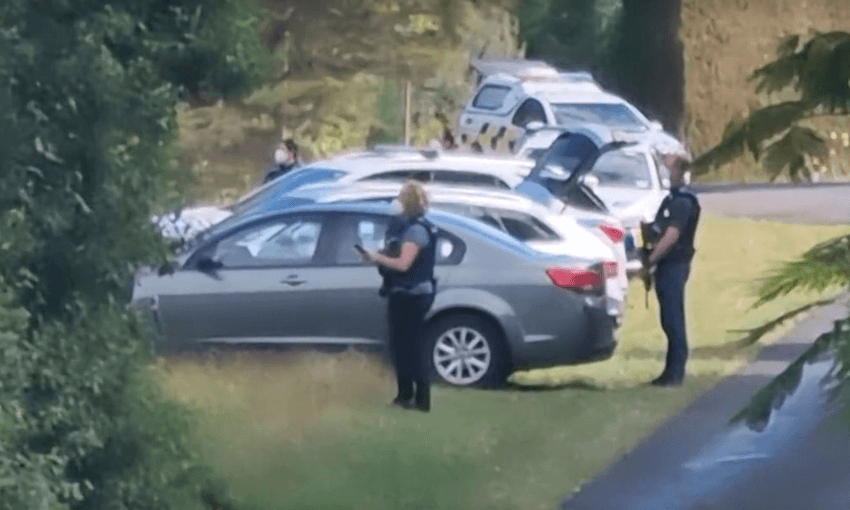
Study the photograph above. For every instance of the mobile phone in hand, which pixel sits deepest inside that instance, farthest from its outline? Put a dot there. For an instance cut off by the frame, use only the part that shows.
(359, 249)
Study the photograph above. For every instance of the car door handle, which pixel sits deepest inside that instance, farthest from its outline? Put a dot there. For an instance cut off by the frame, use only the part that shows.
(293, 281)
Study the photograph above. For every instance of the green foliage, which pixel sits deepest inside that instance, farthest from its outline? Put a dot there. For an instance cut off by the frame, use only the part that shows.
(87, 97)
(819, 74)
(570, 33)
(821, 267)
(389, 110)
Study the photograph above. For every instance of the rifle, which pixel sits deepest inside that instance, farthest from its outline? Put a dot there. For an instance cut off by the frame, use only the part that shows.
(650, 235)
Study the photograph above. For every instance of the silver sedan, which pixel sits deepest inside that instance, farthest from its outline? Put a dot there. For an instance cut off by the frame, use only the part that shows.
(293, 277)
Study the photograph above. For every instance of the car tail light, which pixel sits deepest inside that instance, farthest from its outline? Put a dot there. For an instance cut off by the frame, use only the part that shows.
(610, 270)
(614, 231)
(584, 281)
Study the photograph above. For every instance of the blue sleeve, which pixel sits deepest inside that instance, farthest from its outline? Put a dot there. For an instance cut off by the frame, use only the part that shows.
(416, 234)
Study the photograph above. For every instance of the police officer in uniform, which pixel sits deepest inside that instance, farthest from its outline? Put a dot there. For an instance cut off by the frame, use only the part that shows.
(670, 259)
(407, 265)
(286, 158)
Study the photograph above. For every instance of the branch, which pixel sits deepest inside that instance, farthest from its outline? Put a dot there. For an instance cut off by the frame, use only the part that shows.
(819, 268)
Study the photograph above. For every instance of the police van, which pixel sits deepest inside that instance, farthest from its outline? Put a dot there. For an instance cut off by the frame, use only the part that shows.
(512, 94)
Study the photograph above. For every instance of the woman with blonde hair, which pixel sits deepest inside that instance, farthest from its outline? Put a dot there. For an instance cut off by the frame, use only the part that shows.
(407, 265)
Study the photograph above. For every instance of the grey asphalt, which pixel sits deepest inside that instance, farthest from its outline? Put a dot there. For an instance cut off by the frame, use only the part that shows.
(825, 204)
(808, 470)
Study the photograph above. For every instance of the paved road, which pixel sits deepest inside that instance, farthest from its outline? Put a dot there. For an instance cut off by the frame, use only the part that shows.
(813, 204)
(697, 461)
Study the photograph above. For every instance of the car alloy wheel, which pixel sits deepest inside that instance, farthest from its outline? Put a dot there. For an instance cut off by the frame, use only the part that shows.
(462, 356)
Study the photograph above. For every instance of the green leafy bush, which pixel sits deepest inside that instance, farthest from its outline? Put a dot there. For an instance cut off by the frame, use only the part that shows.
(87, 99)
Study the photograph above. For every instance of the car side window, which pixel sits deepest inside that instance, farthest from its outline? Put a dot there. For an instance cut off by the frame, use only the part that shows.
(491, 97)
(370, 231)
(366, 230)
(485, 217)
(290, 241)
(529, 111)
(527, 228)
(450, 249)
(401, 175)
(469, 178)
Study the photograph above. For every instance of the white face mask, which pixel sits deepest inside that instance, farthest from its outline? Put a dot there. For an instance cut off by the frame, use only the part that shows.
(396, 207)
(280, 156)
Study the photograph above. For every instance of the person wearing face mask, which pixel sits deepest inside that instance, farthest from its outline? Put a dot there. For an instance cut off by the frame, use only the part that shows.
(285, 158)
(407, 266)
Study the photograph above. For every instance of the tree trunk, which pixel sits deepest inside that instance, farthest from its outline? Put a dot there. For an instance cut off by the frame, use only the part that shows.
(649, 60)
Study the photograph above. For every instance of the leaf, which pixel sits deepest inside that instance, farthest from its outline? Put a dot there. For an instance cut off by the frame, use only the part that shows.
(778, 75)
(824, 265)
(788, 45)
(790, 151)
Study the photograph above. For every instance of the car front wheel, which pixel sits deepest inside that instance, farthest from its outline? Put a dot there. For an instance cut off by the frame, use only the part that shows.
(466, 350)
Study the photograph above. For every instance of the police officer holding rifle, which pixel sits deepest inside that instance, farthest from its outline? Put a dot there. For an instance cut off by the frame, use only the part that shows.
(666, 257)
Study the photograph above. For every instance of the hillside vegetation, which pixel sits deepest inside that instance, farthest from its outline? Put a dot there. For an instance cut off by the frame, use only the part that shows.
(340, 82)
(725, 41)
(340, 68)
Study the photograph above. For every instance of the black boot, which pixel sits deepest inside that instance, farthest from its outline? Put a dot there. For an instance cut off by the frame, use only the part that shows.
(405, 393)
(423, 396)
(668, 378)
(404, 403)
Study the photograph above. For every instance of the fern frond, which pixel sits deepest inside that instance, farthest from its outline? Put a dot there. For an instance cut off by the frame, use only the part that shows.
(821, 267)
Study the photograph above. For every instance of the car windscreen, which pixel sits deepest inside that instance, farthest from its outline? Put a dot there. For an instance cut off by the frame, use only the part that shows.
(608, 114)
(265, 199)
(623, 169)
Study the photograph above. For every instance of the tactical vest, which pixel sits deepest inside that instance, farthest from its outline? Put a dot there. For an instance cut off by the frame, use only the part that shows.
(422, 269)
(683, 250)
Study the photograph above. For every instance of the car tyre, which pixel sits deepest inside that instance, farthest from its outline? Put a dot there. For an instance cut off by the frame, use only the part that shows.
(482, 360)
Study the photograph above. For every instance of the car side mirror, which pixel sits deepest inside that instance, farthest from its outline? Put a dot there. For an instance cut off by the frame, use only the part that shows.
(534, 125)
(208, 265)
(665, 183)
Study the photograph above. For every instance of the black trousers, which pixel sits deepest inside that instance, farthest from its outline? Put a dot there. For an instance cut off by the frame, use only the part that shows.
(670, 280)
(407, 318)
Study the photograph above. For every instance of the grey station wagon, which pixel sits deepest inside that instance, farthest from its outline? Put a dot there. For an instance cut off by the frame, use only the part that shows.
(293, 277)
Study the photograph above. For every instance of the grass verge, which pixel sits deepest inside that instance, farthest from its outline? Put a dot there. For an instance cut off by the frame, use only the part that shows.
(313, 430)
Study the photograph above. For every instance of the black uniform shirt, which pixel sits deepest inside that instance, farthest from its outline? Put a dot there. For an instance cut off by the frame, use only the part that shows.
(680, 209)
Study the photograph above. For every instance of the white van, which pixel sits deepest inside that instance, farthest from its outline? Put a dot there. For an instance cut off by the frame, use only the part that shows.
(505, 102)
